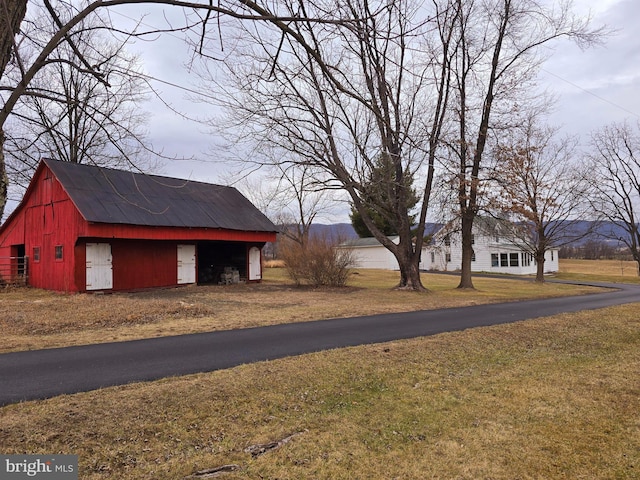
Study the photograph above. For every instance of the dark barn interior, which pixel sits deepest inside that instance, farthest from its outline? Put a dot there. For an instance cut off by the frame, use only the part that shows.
(215, 257)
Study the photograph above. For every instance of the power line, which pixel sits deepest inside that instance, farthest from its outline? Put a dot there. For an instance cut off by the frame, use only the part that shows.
(154, 78)
(201, 94)
(592, 94)
(175, 85)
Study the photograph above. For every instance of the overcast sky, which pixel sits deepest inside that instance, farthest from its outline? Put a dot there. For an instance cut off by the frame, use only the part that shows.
(600, 85)
(593, 87)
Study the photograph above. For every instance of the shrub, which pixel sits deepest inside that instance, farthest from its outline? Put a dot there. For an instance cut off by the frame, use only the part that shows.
(316, 263)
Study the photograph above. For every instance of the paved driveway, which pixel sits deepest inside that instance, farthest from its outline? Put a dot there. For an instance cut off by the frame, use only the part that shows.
(46, 373)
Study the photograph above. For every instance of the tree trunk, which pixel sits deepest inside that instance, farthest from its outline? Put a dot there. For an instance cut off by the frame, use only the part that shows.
(636, 257)
(540, 267)
(4, 180)
(410, 276)
(409, 263)
(12, 13)
(635, 251)
(467, 251)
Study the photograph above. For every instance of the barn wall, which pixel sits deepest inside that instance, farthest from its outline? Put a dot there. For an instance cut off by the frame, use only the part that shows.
(14, 235)
(136, 264)
(140, 264)
(171, 233)
(45, 220)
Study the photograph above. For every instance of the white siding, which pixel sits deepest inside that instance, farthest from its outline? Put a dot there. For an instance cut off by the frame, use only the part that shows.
(551, 262)
(374, 257)
(449, 257)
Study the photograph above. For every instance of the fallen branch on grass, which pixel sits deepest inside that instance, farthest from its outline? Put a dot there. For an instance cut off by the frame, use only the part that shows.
(261, 448)
(254, 450)
(214, 472)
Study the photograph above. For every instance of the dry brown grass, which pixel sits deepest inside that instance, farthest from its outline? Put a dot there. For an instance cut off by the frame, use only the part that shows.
(274, 264)
(31, 318)
(548, 398)
(604, 270)
(543, 399)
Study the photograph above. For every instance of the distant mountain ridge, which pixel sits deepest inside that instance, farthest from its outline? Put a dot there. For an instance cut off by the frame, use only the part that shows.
(345, 231)
(335, 231)
(607, 232)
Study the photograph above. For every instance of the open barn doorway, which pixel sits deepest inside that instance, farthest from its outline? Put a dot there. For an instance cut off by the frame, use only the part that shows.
(13, 269)
(222, 262)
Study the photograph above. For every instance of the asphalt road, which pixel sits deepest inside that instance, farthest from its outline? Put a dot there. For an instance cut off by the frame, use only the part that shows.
(46, 373)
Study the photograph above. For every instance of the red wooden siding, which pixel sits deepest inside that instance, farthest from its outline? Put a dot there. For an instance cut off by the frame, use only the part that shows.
(97, 230)
(138, 264)
(43, 222)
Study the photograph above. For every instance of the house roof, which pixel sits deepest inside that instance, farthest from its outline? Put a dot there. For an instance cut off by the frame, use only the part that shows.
(366, 242)
(482, 224)
(105, 195)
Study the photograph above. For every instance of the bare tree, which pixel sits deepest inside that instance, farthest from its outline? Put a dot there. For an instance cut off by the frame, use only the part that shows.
(12, 12)
(343, 99)
(289, 196)
(615, 163)
(11, 15)
(497, 58)
(300, 202)
(75, 117)
(541, 187)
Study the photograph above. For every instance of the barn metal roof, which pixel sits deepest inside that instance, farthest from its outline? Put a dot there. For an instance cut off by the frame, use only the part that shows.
(105, 195)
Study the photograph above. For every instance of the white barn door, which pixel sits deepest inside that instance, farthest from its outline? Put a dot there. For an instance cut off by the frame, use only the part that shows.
(186, 264)
(255, 267)
(99, 266)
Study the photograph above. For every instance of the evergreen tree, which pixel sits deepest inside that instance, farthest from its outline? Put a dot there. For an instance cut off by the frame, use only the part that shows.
(379, 195)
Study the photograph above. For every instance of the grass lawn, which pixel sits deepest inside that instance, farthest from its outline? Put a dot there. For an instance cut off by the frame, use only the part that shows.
(31, 318)
(551, 398)
(604, 270)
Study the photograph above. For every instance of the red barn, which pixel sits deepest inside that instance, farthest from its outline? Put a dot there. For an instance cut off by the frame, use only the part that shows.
(85, 228)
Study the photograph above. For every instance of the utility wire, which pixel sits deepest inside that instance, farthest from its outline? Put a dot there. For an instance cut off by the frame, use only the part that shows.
(591, 93)
(199, 93)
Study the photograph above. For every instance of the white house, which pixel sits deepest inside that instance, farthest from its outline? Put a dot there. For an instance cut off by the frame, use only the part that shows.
(495, 250)
(369, 253)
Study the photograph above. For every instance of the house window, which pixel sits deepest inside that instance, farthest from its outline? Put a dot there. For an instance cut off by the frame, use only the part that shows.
(552, 255)
(495, 260)
(36, 254)
(447, 240)
(504, 260)
(448, 258)
(473, 256)
(59, 253)
(473, 239)
(433, 257)
(514, 259)
(526, 259)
